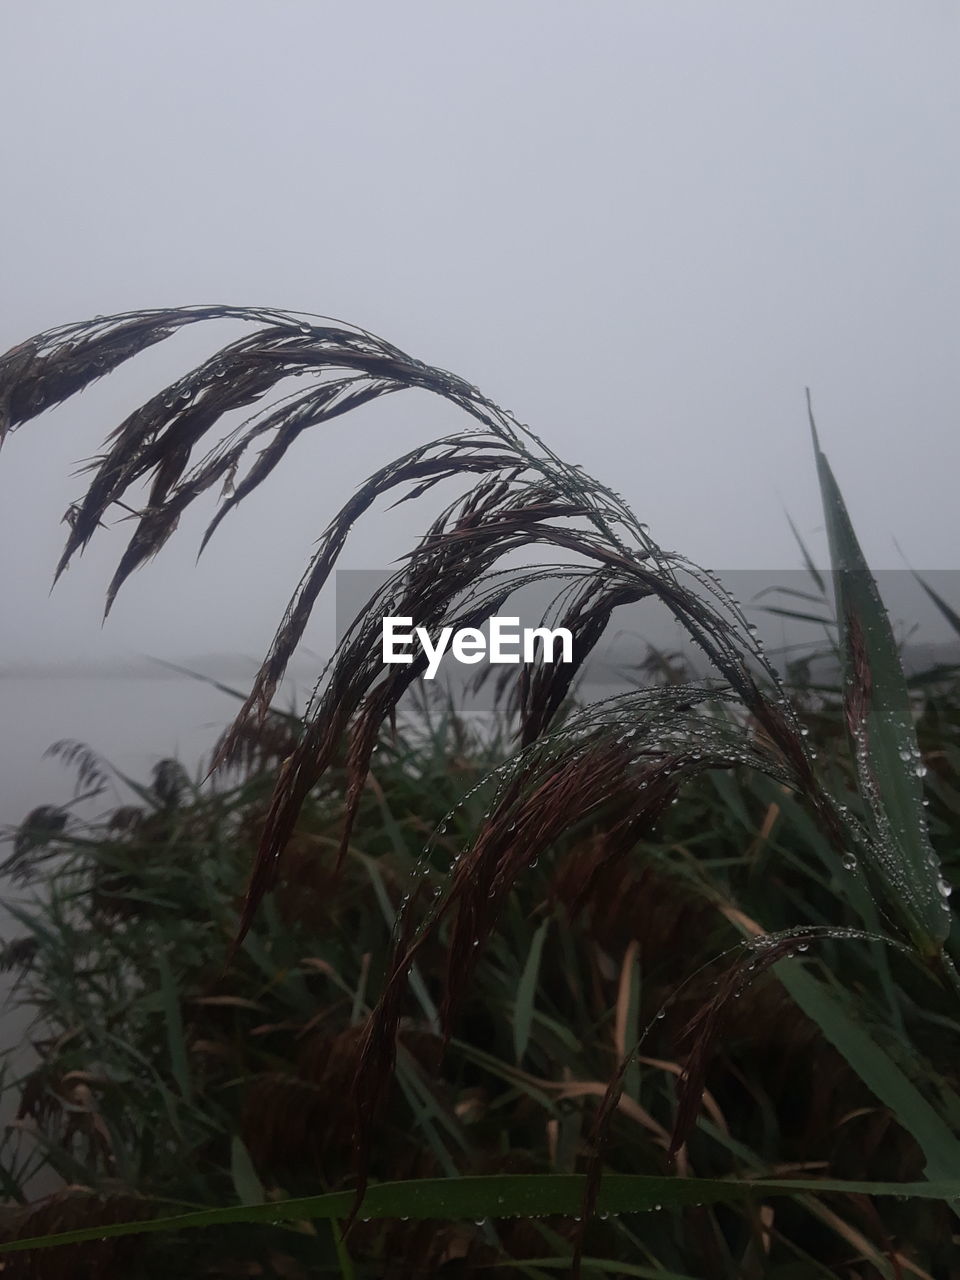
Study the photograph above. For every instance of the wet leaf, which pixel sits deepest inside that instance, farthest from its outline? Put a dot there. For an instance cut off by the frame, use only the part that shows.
(877, 703)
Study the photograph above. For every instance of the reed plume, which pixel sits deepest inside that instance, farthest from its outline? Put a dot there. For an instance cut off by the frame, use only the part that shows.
(620, 761)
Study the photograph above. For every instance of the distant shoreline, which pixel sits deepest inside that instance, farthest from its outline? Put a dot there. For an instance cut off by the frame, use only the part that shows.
(241, 668)
(213, 666)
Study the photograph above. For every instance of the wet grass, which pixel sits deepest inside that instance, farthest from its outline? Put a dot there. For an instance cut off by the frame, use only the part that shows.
(698, 934)
(163, 1077)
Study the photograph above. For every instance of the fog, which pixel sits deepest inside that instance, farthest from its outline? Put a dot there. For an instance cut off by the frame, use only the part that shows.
(643, 227)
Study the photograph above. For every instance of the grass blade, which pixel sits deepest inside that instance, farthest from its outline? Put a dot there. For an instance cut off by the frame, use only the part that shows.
(526, 993)
(173, 1020)
(501, 1196)
(945, 608)
(247, 1185)
(877, 704)
(811, 568)
(940, 1147)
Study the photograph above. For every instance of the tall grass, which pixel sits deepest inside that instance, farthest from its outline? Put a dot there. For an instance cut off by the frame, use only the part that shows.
(857, 825)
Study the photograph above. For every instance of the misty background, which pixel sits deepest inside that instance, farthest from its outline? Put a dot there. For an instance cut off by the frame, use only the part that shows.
(643, 227)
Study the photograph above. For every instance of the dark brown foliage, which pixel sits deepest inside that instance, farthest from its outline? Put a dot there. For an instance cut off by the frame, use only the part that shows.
(69, 1210)
(622, 766)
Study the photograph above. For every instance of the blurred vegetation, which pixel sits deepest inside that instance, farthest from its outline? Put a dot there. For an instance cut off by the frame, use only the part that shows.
(163, 1075)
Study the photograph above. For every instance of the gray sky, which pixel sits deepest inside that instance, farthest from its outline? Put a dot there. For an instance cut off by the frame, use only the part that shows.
(644, 227)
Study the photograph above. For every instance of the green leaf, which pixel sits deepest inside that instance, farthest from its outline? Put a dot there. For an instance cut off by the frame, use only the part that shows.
(347, 1270)
(170, 999)
(415, 978)
(526, 993)
(877, 703)
(812, 569)
(946, 609)
(878, 1071)
(500, 1196)
(247, 1185)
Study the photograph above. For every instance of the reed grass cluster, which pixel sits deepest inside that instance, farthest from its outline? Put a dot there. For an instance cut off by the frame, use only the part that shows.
(557, 904)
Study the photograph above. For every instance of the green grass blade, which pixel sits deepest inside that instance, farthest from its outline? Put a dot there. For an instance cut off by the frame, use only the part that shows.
(501, 1196)
(811, 568)
(173, 1021)
(247, 1185)
(526, 993)
(888, 763)
(946, 609)
(878, 1071)
(347, 1270)
(415, 978)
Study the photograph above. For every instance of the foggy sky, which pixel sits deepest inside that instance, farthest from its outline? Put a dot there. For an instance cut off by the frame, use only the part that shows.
(644, 227)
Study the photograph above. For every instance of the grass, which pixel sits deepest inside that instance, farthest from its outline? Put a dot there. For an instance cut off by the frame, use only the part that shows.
(696, 934)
